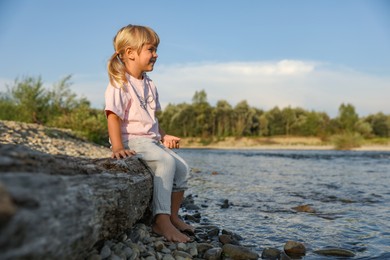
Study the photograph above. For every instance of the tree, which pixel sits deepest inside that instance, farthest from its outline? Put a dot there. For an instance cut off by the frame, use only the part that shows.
(6, 107)
(347, 118)
(311, 124)
(203, 114)
(243, 116)
(380, 124)
(275, 122)
(31, 100)
(62, 99)
(223, 119)
(289, 117)
(182, 122)
(164, 118)
(264, 125)
(28, 101)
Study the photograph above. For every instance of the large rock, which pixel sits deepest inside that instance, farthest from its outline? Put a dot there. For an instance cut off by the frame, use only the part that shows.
(59, 207)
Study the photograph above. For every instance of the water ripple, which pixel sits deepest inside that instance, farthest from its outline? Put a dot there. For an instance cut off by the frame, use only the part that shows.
(349, 192)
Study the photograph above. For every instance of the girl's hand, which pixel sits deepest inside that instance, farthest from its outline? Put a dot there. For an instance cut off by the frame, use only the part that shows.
(122, 153)
(170, 141)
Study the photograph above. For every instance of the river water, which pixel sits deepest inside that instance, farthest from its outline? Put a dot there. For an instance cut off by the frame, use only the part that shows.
(349, 191)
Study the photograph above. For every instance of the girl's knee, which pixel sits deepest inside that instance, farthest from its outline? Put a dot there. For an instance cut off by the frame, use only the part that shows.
(168, 159)
(166, 163)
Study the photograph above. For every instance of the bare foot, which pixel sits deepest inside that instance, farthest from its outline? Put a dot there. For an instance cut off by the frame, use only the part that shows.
(181, 225)
(164, 227)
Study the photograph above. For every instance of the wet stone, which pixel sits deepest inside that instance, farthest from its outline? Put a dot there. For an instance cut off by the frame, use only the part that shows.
(105, 252)
(239, 252)
(182, 254)
(294, 248)
(335, 252)
(271, 253)
(213, 254)
(225, 239)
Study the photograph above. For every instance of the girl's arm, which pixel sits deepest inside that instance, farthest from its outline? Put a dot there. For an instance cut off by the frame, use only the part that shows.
(169, 141)
(115, 134)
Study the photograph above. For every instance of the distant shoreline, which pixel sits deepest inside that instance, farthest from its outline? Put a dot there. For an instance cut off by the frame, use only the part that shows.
(379, 148)
(274, 143)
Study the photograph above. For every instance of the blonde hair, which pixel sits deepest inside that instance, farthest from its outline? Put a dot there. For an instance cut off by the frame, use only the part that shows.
(133, 37)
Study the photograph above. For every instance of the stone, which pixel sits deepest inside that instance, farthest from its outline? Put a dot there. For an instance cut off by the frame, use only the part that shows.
(159, 245)
(213, 254)
(271, 253)
(213, 232)
(94, 257)
(63, 207)
(304, 208)
(225, 204)
(335, 252)
(294, 248)
(105, 252)
(203, 247)
(181, 247)
(284, 256)
(114, 257)
(238, 252)
(225, 239)
(182, 254)
(128, 252)
(192, 249)
(168, 257)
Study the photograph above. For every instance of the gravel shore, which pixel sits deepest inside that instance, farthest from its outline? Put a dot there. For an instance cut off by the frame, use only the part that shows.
(49, 140)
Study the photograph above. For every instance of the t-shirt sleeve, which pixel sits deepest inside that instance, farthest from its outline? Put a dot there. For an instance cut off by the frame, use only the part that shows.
(116, 101)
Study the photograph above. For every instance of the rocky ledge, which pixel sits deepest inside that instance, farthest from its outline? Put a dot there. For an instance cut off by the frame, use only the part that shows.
(60, 195)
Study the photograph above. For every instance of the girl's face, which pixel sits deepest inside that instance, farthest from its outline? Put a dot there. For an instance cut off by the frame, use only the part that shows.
(138, 63)
(146, 59)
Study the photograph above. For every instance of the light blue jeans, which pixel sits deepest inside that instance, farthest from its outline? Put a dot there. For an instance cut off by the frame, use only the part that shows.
(169, 169)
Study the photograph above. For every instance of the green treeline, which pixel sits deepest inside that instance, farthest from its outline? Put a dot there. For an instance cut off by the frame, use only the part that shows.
(28, 101)
(200, 119)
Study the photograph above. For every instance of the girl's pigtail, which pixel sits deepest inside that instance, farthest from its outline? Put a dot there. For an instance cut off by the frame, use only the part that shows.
(116, 70)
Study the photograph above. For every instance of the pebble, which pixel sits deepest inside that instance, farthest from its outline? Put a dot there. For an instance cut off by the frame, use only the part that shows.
(239, 252)
(304, 208)
(335, 252)
(147, 245)
(271, 253)
(294, 248)
(105, 252)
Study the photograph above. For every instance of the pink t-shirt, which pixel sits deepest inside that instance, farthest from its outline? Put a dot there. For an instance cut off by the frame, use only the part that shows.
(135, 104)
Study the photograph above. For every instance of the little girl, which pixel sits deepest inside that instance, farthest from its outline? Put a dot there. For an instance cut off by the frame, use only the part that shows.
(131, 104)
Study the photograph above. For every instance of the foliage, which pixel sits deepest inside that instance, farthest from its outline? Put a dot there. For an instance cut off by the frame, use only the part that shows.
(380, 124)
(347, 140)
(27, 100)
(30, 100)
(347, 117)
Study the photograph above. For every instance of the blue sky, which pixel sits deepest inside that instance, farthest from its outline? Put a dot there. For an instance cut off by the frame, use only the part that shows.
(310, 54)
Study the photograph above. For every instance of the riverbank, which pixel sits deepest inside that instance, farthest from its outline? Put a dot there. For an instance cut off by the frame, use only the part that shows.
(64, 141)
(276, 143)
